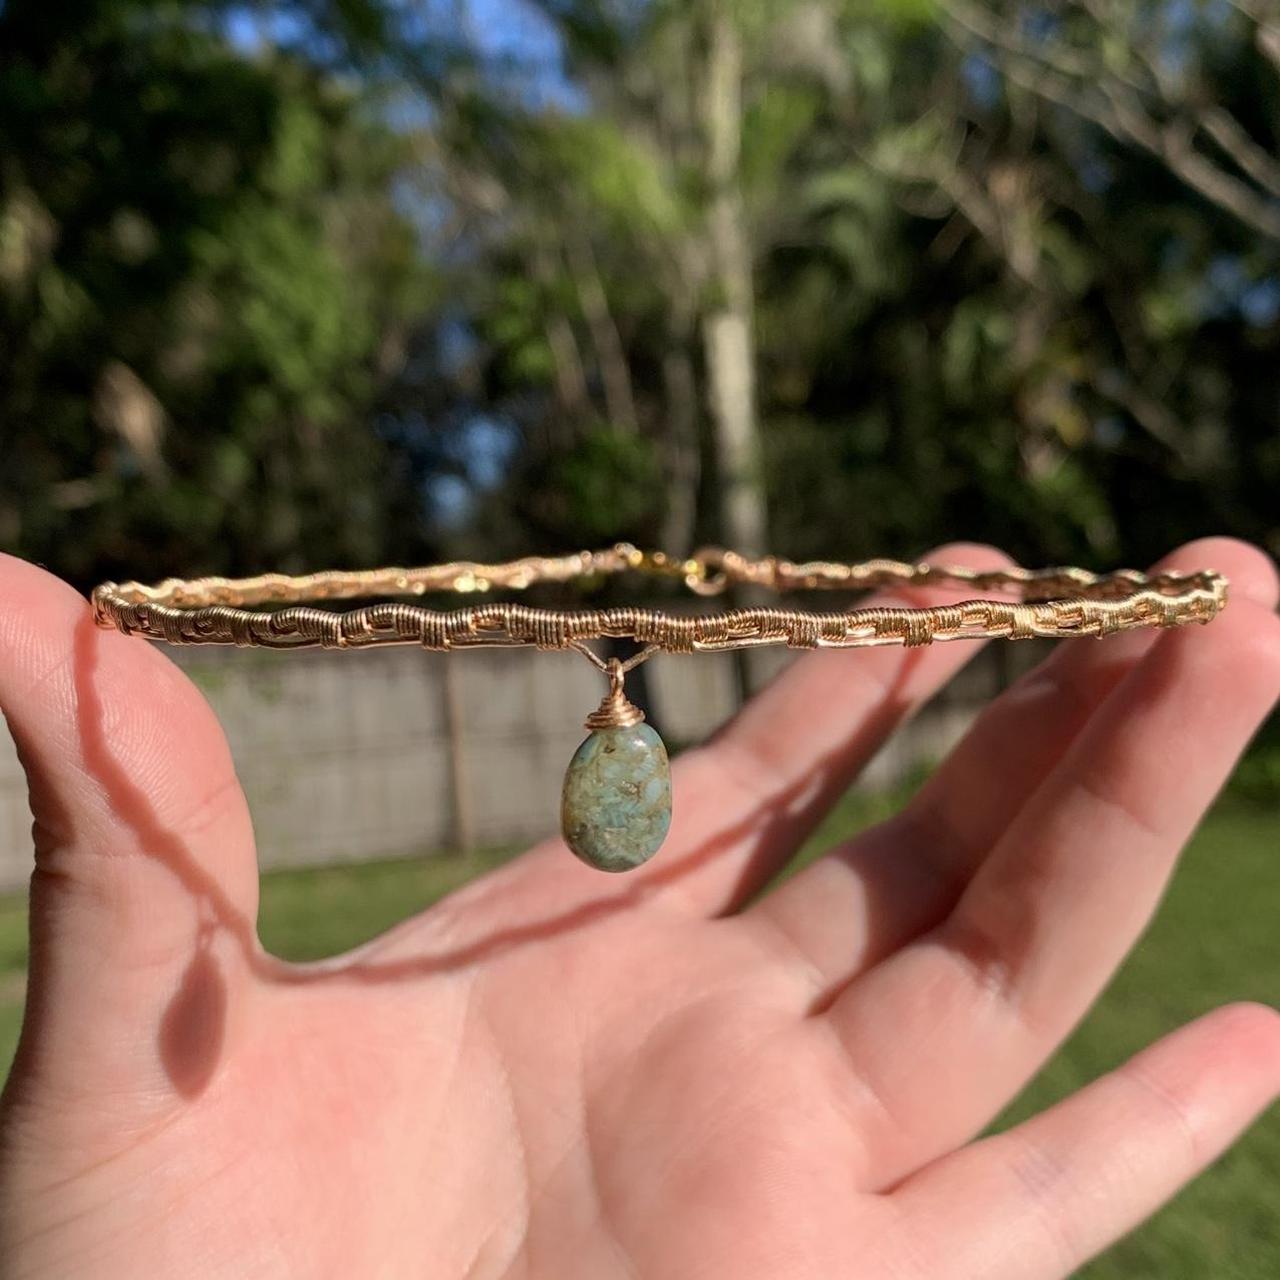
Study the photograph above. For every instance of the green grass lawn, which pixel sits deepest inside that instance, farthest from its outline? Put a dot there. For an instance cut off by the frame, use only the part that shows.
(1215, 939)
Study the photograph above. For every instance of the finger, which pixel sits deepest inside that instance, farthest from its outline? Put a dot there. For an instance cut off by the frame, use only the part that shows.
(145, 884)
(746, 800)
(982, 999)
(796, 747)
(1037, 1202)
(875, 892)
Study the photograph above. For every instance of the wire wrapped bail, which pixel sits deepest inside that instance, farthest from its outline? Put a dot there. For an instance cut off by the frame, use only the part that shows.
(616, 710)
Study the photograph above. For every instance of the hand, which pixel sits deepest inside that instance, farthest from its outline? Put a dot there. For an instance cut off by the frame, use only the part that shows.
(557, 1073)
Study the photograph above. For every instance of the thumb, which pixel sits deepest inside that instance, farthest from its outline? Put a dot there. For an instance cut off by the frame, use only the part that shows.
(144, 892)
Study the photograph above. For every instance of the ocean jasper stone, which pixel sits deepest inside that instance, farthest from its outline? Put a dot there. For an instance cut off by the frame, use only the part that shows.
(616, 805)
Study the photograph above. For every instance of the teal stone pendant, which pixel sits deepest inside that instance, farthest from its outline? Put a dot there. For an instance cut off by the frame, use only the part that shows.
(615, 809)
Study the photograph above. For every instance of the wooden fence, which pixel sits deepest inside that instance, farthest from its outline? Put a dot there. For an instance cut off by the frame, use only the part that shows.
(347, 757)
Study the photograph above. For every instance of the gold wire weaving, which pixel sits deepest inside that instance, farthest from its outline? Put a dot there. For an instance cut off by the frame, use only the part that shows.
(1052, 603)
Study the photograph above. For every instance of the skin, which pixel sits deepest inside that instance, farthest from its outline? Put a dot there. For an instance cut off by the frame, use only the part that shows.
(557, 1073)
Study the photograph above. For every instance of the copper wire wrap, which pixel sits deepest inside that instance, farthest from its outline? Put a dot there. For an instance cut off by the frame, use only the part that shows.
(1053, 603)
(616, 710)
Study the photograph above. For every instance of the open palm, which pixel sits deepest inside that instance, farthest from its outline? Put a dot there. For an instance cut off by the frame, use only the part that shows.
(556, 1073)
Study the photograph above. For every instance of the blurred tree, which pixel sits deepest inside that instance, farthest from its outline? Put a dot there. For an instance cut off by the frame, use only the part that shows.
(873, 273)
(1115, 157)
(203, 283)
(972, 306)
(609, 265)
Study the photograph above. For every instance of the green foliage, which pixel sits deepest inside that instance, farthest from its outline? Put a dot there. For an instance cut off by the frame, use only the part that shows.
(775, 126)
(974, 315)
(907, 13)
(976, 312)
(515, 324)
(618, 177)
(604, 489)
(201, 264)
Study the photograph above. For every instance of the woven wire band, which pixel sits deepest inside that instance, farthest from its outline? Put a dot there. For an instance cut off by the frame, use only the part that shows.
(1052, 603)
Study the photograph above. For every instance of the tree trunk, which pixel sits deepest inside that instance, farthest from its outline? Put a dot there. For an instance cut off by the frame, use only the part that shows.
(611, 356)
(728, 322)
(683, 456)
(571, 382)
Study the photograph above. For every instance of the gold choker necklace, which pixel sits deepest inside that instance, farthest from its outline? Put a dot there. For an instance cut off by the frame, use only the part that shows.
(616, 805)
